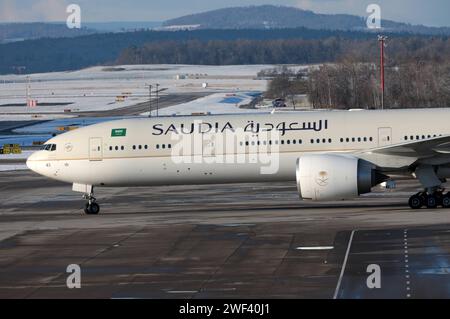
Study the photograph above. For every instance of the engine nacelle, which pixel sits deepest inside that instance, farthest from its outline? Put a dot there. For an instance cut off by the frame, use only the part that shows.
(330, 177)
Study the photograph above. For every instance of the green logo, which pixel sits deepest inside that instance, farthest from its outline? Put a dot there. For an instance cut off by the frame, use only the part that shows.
(119, 132)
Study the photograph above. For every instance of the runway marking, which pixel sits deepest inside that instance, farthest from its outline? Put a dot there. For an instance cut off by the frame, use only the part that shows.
(182, 292)
(344, 265)
(316, 248)
(408, 277)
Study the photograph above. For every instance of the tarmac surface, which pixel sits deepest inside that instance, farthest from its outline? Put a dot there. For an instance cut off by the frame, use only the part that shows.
(224, 241)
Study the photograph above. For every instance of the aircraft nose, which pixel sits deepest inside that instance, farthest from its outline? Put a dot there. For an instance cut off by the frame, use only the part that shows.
(31, 162)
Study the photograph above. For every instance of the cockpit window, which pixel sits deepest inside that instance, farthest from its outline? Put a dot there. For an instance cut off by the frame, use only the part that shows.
(49, 147)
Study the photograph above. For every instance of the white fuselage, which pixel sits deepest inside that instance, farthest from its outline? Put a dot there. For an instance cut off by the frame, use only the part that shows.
(147, 151)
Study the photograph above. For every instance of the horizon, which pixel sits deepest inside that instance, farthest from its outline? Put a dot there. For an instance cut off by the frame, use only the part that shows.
(406, 11)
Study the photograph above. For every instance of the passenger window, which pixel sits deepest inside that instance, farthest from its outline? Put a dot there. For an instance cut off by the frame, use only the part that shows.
(122, 148)
(134, 147)
(117, 148)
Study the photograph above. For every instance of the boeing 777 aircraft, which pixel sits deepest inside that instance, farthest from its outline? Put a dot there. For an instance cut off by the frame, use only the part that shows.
(332, 155)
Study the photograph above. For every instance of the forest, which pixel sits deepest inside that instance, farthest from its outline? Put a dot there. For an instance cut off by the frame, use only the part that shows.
(65, 54)
(413, 80)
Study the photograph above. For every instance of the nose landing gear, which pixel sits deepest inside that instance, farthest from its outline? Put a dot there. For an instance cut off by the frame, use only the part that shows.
(91, 208)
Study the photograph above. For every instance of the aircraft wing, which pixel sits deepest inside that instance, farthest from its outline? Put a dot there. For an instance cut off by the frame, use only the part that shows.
(433, 151)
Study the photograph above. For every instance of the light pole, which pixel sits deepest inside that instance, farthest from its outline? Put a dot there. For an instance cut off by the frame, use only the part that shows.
(382, 39)
(157, 100)
(150, 99)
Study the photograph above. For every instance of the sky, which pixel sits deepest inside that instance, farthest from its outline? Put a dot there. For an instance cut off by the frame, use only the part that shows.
(430, 12)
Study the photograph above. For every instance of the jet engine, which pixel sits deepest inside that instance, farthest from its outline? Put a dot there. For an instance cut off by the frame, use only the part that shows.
(335, 177)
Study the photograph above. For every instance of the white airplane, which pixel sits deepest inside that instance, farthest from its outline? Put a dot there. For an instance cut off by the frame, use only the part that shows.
(332, 155)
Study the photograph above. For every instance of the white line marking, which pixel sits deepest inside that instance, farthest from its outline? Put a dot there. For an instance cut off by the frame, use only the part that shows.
(344, 265)
(408, 277)
(316, 248)
(183, 292)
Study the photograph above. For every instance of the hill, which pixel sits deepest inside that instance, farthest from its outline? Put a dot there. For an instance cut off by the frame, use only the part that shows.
(279, 17)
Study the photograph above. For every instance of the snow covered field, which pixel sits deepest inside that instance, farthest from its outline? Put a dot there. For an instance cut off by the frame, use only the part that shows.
(14, 157)
(23, 156)
(97, 88)
(218, 103)
(8, 168)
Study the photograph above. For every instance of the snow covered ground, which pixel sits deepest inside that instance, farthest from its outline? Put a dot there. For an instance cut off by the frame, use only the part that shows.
(24, 155)
(97, 88)
(52, 126)
(218, 103)
(8, 168)
(24, 140)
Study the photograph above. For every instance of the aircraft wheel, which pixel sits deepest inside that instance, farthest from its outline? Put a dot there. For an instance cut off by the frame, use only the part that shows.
(431, 202)
(416, 202)
(446, 201)
(92, 209)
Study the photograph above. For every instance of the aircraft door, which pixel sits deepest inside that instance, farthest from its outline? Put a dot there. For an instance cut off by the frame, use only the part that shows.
(209, 145)
(384, 136)
(95, 149)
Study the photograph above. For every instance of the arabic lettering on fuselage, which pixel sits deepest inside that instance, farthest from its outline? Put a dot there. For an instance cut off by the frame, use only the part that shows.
(251, 127)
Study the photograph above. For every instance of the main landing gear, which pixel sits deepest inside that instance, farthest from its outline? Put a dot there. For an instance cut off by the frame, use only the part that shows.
(92, 208)
(430, 200)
